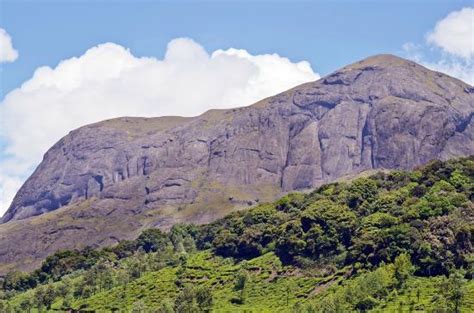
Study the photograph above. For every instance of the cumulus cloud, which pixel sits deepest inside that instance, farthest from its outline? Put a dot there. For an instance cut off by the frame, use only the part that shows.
(453, 39)
(453, 66)
(455, 33)
(10, 185)
(109, 81)
(7, 52)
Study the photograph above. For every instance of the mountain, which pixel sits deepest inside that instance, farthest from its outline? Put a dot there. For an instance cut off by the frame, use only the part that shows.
(107, 181)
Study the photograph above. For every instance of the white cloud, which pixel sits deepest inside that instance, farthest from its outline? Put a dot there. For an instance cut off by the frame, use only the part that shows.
(453, 66)
(109, 81)
(10, 185)
(453, 36)
(7, 52)
(455, 33)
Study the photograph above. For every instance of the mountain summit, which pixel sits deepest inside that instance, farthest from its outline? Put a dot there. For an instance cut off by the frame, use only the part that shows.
(106, 181)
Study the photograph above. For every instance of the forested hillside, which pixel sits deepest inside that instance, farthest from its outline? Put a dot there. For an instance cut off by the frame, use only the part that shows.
(391, 242)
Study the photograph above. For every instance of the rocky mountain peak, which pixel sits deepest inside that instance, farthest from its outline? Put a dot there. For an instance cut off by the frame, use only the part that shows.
(130, 173)
(382, 61)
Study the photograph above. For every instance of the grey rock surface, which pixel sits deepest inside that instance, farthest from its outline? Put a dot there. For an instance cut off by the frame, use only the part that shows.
(382, 112)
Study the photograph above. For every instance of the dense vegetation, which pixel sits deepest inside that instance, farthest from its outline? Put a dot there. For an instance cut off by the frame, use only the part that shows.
(401, 241)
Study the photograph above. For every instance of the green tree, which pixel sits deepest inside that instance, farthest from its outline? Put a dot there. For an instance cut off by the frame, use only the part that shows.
(125, 248)
(138, 307)
(241, 280)
(166, 306)
(453, 289)
(328, 228)
(290, 243)
(366, 303)
(182, 238)
(186, 301)
(152, 240)
(189, 244)
(403, 269)
(26, 304)
(136, 264)
(44, 296)
(63, 287)
(204, 298)
(6, 307)
(361, 189)
(67, 301)
(290, 202)
(86, 291)
(240, 285)
(249, 242)
(332, 303)
(440, 305)
(17, 280)
(458, 179)
(225, 243)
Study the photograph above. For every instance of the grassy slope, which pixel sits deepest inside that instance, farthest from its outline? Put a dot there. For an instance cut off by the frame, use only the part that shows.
(272, 287)
(427, 290)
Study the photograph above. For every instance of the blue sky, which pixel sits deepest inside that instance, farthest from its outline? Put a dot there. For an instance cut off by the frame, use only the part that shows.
(328, 34)
(79, 62)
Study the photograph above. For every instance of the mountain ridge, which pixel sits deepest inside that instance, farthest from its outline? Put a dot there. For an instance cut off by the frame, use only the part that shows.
(381, 112)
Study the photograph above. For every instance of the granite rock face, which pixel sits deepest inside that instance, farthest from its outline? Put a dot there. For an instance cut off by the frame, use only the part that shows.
(382, 112)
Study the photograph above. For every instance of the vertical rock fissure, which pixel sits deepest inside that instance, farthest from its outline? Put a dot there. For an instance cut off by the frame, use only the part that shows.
(99, 180)
(288, 143)
(367, 138)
